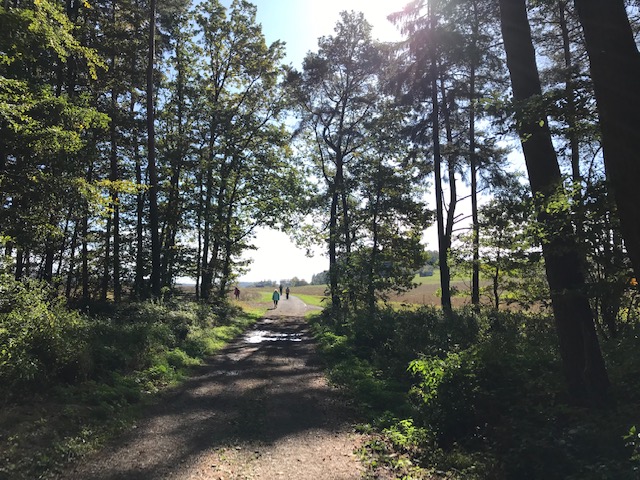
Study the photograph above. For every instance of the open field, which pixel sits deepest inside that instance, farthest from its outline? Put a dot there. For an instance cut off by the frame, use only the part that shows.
(427, 292)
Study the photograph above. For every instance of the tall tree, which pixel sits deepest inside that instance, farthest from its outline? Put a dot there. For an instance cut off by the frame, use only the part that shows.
(247, 180)
(481, 71)
(336, 95)
(177, 144)
(43, 126)
(583, 364)
(154, 220)
(574, 120)
(615, 70)
(418, 82)
(390, 215)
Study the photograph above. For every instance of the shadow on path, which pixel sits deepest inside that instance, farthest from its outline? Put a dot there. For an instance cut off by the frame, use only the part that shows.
(260, 409)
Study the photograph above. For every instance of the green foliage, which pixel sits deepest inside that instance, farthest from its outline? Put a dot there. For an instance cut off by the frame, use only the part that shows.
(479, 395)
(446, 391)
(96, 370)
(397, 337)
(633, 442)
(510, 248)
(41, 342)
(46, 26)
(43, 127)
(405, 434)
(399, 445)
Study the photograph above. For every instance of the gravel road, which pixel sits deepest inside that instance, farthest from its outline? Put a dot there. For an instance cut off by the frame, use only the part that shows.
(261, 409)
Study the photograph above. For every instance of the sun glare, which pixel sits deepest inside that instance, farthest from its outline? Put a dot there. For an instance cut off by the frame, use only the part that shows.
(327, 14)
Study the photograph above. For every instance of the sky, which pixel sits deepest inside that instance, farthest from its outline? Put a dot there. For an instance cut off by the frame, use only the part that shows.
(299, 23)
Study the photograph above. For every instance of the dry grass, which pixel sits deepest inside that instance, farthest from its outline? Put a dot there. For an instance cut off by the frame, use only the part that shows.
(427, 292)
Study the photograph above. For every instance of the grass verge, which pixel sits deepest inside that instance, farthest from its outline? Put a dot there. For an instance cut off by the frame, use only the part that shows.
(315, 300)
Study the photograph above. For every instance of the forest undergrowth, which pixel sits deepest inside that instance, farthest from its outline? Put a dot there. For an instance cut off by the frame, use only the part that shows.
(481, 396)
(72, 380)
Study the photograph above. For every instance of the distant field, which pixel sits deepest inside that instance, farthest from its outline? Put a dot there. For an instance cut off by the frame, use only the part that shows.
(433, 279)
(426, 293)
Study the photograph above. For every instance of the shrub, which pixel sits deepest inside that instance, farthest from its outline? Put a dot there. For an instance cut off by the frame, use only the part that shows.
(447, 393)
(177, 358)
(119, 347)
(41, 341)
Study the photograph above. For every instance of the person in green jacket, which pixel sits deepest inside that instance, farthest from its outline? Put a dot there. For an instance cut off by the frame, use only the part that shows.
(275, 297)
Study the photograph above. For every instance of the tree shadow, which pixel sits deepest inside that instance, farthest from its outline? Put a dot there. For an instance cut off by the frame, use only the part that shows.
(251, 394)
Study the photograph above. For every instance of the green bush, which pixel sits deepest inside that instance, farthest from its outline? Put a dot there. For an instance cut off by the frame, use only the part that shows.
(447, 392)
(41, 341)
(487, 396)
(332, 344)
(393, 338)
(177, 358)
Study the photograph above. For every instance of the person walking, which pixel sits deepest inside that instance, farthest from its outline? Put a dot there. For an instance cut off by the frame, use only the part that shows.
(287, 292)
(236, 292)
(275, 297)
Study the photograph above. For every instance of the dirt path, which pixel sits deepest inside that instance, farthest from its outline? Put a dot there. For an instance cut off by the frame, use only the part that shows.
(261, 409)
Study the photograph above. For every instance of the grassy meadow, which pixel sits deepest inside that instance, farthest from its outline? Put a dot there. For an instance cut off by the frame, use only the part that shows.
(426, 292)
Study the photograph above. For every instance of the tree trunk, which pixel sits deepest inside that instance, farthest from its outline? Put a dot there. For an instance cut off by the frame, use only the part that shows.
(496, 283)
(139, 289)
(373, 264)
(443, 248)
(341, 187)
(225, 271)
(49, 255)
(473, 162)
(570, 95)
(174, 207)
(106, 261)
(85, 244)
(451, 174)
(220, 225)
(333, 254)
(615, 71)
(199, 229)
(19, 270)
(63, 242)
(115, 201)
(151, 145)
(582, 360)
(205, 287)
(72, 260)
(85, 258)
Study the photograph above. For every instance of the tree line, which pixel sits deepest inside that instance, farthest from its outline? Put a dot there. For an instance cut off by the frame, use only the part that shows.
(144, 140)
(138, 144)
(378, 119)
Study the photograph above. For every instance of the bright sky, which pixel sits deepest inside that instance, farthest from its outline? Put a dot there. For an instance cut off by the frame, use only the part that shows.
(299, 23)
